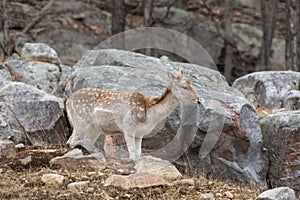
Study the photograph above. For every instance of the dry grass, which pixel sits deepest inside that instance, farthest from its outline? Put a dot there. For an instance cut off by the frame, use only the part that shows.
(24, 182)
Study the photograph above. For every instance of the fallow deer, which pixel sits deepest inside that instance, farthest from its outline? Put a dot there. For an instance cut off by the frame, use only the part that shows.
(94, 111)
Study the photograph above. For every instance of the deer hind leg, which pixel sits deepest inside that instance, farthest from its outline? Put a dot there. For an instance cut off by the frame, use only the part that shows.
(73, 138)
(85, 136)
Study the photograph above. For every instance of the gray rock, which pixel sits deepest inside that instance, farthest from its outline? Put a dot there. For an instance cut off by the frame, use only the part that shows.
(43, 121)
(159, 167)
(26, 160)
(139, 180)
(228, 194)
(176, 17)
(39, 52)
(281, 135)
(204, 33)
(7, 149)
(53, 179)
(16, 91)
(76, 160)
(207, 196)
(78, 185)
(115, 146)
(268, 89)
(248, 38)
(61, 33)
(20, 14)
(66, 71)
(248, 41)
(224, 117)
(188, 23)
(39, 113)
(10, 127)
(20, 146)
(292, 100)
(248, 4)
(280, 193)
(44, 76)
(4, 74)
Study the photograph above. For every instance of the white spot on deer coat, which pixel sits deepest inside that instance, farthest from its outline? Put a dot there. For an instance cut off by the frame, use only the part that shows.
(102, 109)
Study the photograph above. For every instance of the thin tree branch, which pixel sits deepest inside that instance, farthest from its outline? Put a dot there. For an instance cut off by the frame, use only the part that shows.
(40, 15)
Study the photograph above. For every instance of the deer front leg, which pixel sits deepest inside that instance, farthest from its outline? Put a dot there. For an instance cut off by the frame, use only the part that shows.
(138, 147)
(133, 146)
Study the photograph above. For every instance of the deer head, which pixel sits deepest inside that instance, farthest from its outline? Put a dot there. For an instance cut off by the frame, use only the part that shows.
(182, 88)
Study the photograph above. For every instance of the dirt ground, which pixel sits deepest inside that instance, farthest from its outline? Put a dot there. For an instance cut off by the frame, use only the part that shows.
(18, 181)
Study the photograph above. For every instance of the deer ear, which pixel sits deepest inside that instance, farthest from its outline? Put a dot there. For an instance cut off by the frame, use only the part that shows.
(180, 72)
(171, 76)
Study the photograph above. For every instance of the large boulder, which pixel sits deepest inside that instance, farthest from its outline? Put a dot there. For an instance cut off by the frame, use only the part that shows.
(10, 127)
(73, 21)
(176, 18)
(248, 42)
(281, 134)
(224, 116)
(205, 32)
(38, 66)
(4, 74)
(39, 52)
(268, 89)
(292, 100)
(23, 12)
(280, 193)
(39, 113)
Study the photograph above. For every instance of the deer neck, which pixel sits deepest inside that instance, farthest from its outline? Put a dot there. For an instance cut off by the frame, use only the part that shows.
(160, 107)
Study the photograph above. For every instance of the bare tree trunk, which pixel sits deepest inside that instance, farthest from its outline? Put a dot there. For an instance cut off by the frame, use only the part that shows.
(269, 13)
(298, 35)
(148, 6)
(228, 41)
(6, 46)
(290, 41)
(118, 16)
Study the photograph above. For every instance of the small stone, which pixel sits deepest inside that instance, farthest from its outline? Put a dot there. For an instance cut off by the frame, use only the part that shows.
(53, 179)
(157, 166)
(207, 196)
(138, 180)
(218, 194)
(90, 190)
(228, 194)
(76, 160)
(25, 160)
(127, 195)
(92, 173)
(7, 149)
(78, 185)
(37, 144)
(19, 146)
(210, 183)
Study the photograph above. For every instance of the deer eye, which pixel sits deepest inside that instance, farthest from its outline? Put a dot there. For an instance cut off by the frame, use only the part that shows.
(185, 87)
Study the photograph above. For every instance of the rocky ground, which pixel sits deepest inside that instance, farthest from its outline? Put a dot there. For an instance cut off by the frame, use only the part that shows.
(23, 181)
